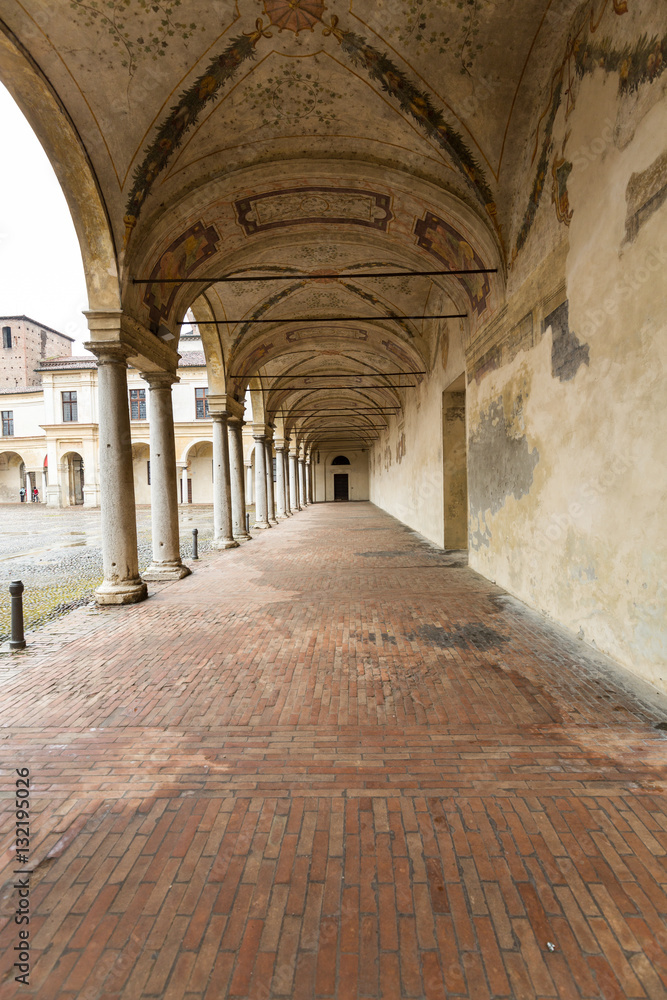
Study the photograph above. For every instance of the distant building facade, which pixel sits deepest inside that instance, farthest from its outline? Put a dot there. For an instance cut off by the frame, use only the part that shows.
(26, 343)
(49, 433)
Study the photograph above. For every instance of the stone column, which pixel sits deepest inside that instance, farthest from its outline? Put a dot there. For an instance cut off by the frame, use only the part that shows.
(166, 562)
(293, 494)
(122, 583)
(302, 484)
(261, 502)
(309, 480)
(270, 493)
(282, 503)
(237, 477)
(223, 532)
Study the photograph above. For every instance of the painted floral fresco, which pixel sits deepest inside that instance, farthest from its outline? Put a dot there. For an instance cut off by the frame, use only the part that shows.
(376, 65)
(118, 19)
(179, 260)
(454, 252)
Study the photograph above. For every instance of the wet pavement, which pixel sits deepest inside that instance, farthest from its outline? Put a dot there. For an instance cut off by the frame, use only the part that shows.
(57, 554)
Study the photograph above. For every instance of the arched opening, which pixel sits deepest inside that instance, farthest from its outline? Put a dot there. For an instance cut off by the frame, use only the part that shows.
(141, 467)
(12, 477)
(197, 476)
(340, 460)
(71, 479)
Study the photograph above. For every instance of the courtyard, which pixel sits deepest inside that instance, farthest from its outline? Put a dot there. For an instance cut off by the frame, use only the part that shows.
(333, 762)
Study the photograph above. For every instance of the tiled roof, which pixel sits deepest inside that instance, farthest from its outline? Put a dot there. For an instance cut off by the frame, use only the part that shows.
(67, 361)
(21, 388)
(192, 359)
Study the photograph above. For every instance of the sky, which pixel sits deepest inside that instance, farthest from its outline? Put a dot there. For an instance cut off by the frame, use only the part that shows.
(41, 273)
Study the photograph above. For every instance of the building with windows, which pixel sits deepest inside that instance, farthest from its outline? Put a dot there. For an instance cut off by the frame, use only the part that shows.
(50, 428)
(25, 343)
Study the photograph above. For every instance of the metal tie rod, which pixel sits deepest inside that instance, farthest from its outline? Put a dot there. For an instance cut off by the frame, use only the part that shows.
(317, 319)
(327, 375)
(310, 277)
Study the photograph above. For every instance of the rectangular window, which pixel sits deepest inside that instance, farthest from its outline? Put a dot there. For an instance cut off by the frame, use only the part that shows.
(70, 408)
(137, 404)
(201, 403)
(6, 336)
(8, 423)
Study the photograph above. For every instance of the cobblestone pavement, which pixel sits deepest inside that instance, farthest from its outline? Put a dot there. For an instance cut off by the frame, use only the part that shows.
(57, 553)
(333, 762)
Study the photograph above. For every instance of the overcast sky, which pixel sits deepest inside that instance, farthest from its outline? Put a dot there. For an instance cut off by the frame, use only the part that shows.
(41, 274)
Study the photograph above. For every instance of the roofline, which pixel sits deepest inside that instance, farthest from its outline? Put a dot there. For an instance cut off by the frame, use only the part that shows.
(27, 319)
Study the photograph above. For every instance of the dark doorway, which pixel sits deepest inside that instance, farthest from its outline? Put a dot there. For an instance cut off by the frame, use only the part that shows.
(341, 486)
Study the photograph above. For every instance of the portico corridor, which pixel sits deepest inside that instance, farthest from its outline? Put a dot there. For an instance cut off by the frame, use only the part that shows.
(332, 762)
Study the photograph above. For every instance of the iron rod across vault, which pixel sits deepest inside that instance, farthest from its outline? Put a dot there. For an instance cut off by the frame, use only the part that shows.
(310, 277)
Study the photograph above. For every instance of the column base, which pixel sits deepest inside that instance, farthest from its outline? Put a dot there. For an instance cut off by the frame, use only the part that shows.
(243, 538)
(283, 517)
(261, 524)
(225, 543)
(127, 592)
(166, 571)
(273, 522)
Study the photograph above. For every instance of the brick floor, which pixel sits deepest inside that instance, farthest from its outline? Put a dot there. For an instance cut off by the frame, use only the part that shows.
(333, 762)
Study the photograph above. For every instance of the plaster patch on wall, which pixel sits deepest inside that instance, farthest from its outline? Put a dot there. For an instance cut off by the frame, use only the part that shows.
(500, 464)
(645, 193)
(567, 351)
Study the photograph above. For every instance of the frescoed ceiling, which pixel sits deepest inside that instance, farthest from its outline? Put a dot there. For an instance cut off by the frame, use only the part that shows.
(296, 136)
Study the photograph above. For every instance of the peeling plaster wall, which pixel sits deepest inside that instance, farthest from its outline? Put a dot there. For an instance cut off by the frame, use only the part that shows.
(567, 471)
(406, 464)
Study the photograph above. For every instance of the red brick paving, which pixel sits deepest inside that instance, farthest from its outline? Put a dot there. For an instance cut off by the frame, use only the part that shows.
(332, 763)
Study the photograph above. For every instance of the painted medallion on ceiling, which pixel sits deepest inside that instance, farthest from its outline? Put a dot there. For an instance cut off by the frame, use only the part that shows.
(294, 15)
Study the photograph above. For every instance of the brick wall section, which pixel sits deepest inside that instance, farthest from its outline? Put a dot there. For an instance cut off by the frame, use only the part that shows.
(334, 763)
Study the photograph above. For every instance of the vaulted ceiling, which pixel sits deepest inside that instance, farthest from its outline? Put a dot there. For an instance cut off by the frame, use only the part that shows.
(291, 138)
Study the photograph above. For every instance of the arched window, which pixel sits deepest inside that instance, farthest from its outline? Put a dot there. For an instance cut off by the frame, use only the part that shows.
(341, 460)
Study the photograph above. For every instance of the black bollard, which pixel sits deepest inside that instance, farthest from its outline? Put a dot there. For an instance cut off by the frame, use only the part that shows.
(17, 640)
(195, 554)
(247, 523)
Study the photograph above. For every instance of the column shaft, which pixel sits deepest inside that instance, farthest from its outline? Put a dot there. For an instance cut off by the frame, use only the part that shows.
(302, 484)
(237, 478)
(270, 496)
(122, 583)
(261, 504)
(223, 534)
(281, 500)
(294, 496)
(166, 563)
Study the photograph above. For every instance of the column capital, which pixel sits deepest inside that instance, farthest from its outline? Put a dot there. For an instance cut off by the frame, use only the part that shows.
(280, 444)
(259, 432)
(224, 403)
(159, 380)
(109, 352)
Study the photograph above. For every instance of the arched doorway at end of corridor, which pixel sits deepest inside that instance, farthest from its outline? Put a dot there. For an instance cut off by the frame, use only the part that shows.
(455, 465)
(71, 479)
(341, 475)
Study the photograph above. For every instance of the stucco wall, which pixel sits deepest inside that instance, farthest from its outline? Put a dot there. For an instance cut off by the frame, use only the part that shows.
(570, 516)
(406, 464)
(567, 476)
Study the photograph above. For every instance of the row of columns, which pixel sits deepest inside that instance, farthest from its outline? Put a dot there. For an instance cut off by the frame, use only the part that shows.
(122, 583)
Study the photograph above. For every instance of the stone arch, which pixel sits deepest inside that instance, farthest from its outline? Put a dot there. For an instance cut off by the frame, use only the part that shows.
(59, 138)
(71, 472)
(12, 476)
